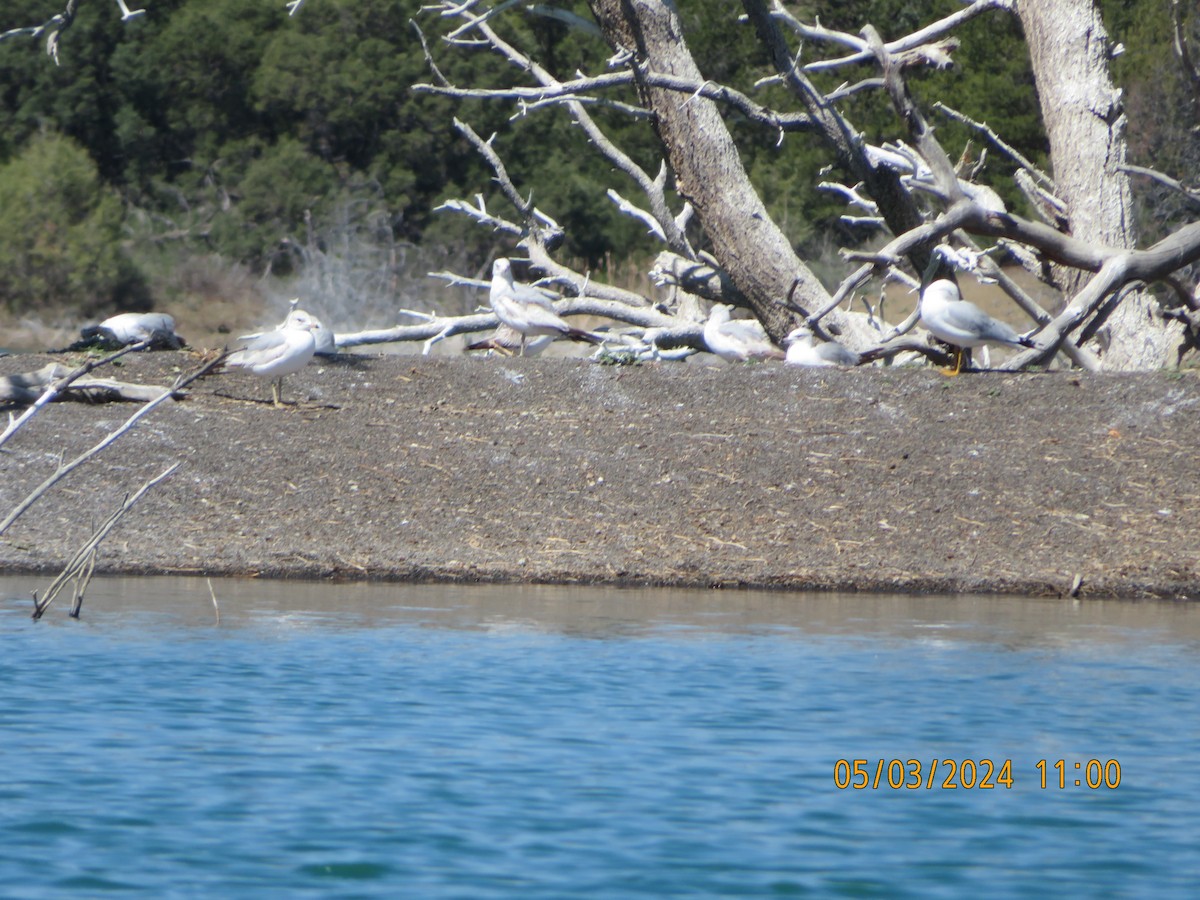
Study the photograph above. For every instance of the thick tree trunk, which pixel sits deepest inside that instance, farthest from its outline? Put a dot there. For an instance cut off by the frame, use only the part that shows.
(1083, 117)
(708, 171)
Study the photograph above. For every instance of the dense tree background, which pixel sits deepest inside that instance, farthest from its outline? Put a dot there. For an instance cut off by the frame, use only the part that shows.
(225, 129)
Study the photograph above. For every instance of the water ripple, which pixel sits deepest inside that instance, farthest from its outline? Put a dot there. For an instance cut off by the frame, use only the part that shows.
(417, 745)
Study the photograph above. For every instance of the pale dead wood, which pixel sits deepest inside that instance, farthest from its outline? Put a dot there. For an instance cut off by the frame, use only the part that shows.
(886, 179)
(65, 469)
(81, 586)
(50, 389)
(1010, 151)
(928, 35)
(650, 187)
(1190, 194)
(79, 569)
(56, 25)
(213, 595)
(1179, 249)
(32, 387)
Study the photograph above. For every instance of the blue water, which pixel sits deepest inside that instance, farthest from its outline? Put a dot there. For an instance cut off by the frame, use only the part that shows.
(382, 741)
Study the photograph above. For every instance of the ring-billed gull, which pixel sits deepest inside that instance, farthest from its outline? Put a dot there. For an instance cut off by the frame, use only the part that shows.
(962, 324)
(803, 349)
(737, 340)
(124, 329)
(276, 354)
(527, 310)
(324, 336)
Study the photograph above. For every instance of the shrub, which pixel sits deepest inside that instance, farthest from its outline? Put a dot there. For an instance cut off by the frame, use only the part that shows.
(60, 234)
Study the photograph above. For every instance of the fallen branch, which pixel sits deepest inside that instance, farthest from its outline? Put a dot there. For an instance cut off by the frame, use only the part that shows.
(83, 563)
(32, 387)
(66, 469)
(52, 390)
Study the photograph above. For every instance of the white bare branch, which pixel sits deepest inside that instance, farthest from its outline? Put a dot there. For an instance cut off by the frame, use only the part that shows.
(1003, 146)
(1191, 195)
(82, 565)
(862, 51)
(653, 190)
(65, 469)
(652, 225)
(59, 383)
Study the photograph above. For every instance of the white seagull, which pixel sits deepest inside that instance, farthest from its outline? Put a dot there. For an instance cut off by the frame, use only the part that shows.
(323, 335)
(527, 310)
(962, 324)
(124, 329)
(803, 349)
(737, 340)
(276, 354)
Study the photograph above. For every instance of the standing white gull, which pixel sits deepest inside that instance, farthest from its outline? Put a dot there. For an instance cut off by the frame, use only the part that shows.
(527, 310)
(737, 340)
(962, 324)
(276, 354)
(324, 336)
(804, 350)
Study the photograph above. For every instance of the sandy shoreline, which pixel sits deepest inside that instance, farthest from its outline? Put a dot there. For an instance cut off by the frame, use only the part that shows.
(488, 470)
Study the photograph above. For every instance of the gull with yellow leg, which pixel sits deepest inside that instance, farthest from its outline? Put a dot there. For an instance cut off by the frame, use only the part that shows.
(962, 324)
(279, 353)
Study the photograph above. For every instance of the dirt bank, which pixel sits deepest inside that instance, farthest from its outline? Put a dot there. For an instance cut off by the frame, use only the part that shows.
(681, 474)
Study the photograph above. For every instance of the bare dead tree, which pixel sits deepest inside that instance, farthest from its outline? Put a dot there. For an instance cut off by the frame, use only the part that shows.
(909, 186)
(1086, 242)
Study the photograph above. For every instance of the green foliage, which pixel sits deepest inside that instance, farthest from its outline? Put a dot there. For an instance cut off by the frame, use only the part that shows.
(1163, 115)
(60, 233)
(249, 131)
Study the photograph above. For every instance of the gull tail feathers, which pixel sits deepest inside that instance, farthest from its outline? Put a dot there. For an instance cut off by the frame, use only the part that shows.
(578, 334)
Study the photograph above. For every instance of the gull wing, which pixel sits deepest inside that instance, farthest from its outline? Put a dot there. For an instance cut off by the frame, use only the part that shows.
(970, 319)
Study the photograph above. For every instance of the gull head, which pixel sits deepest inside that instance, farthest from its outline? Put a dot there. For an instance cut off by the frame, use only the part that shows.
(719, 313)
(802, 334)
(302, 321)
(941, 292)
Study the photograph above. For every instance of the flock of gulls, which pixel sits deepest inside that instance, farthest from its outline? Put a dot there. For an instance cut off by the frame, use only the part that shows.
(528, 322)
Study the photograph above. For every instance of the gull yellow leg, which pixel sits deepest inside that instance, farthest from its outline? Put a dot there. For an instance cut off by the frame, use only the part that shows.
(959, 353)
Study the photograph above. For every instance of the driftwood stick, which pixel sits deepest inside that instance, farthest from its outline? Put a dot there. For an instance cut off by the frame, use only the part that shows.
(84, 561)
(66, 469)
(81, 585)
(51, 389)
(213, 595)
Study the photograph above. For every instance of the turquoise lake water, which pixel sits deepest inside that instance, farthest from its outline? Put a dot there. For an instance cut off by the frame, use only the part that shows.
(397, 741)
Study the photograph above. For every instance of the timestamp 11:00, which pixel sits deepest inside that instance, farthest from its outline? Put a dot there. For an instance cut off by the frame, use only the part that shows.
(968, 774)
(1092, 773)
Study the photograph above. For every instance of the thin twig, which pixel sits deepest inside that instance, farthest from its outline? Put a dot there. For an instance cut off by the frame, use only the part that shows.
(1004, 147)
(62, 384)
(65, 469)
(81, 585)
(84, 558)
(213, 595)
